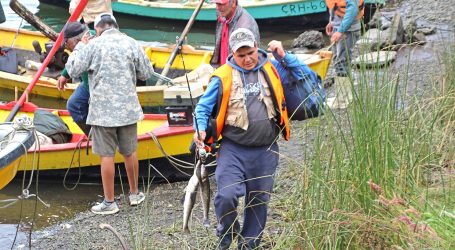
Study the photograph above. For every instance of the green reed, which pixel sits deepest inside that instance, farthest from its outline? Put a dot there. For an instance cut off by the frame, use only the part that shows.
(368, 179)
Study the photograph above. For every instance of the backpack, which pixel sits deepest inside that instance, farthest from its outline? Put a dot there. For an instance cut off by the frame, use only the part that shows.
(304, 97)
(52, 125)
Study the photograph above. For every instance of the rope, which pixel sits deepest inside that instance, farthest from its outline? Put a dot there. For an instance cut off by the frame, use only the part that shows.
(23, 122)
(17, 33)
(78, 149)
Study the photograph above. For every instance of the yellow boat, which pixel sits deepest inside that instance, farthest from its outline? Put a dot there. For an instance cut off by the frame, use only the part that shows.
(22, 41)
(196, 61)
(13, 143)
(173, 140)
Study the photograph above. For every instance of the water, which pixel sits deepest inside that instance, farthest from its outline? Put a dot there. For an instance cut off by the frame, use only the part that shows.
(65, 204)
(144, 29)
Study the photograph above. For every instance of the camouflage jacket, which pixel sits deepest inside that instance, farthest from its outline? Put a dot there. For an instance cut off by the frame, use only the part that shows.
(114, 61)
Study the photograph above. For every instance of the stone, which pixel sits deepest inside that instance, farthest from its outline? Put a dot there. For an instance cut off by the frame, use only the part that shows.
(427, 30)
(395, 34)
(311, 39)
(376, 20)
(372, 59)
(419, 37)
(371, 40)
(385, 23)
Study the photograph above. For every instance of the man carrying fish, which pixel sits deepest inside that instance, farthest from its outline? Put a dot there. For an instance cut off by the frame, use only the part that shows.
(114, 61)
(247, 98)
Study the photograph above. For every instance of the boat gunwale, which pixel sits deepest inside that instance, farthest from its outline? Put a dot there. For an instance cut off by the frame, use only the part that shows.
(16, 152)
(207, 6)
(161, 131)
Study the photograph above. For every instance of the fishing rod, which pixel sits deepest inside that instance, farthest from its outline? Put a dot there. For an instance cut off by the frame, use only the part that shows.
(202, 152)
(189, 89)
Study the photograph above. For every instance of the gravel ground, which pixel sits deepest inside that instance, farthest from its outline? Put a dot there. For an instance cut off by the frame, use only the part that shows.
(157, 223)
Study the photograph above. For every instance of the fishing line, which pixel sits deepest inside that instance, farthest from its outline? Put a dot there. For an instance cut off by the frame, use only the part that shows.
(191, 95)
(36, 187)
(24, 122)
(174, 161)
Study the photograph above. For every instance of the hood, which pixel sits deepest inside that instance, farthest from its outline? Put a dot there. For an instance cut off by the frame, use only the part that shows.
(262, 60)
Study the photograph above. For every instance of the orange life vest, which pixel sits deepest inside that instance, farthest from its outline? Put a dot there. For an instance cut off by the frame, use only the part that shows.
(339, 6)
(225, 74)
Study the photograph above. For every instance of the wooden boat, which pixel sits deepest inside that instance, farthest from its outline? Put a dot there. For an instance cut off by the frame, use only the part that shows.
(13, 144)
(195, 60)
(279, 12)
(174, 141)
(148, 95)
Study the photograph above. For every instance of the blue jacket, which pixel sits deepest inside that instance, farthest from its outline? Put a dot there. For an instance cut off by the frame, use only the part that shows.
(205, 105)
(352, 10)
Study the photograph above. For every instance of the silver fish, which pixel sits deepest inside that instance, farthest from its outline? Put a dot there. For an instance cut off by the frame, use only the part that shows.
(190, 199)
(199, 181)
(204, 191)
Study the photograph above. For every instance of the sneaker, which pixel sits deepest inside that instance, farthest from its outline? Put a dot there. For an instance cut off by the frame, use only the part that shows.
(136, 199)
(103, 208)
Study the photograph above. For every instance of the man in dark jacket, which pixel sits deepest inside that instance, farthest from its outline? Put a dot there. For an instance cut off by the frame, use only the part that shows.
(231, 16)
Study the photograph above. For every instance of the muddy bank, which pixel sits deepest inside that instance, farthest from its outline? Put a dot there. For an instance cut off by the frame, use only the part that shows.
(157, 223)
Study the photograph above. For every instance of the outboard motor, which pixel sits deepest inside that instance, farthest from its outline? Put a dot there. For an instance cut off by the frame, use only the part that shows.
(58, 61)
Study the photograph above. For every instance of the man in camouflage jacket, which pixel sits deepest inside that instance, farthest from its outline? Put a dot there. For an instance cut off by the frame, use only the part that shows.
(114, 62)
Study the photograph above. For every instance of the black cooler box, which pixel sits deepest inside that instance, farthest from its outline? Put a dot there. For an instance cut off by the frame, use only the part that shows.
(179, 108)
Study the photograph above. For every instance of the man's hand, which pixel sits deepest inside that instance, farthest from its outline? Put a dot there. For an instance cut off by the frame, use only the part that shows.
(329, 29)
(336, 37)
(277, 47)
(199, 140)
(61, 84)
(86, 37)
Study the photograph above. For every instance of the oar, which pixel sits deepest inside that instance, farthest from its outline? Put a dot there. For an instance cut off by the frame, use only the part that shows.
(54, 49)
(33, 20)
(180, 41)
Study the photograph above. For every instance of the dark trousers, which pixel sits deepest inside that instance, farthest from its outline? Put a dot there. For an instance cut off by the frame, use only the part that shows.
(243, 170)
(77, 106)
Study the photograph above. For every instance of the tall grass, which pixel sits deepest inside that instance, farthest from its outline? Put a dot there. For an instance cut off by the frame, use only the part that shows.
(375, 174)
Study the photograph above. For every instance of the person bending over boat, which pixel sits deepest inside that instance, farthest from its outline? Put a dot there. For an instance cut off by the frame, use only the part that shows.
(77, 104)
(114, 62)
(246, 96)
(231, 16)
(92, 10)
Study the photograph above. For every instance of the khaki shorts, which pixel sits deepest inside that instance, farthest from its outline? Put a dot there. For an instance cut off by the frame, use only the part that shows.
(105, 140)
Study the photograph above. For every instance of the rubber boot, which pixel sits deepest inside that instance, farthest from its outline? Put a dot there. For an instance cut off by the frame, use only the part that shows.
(343, 93)
(84, 127)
